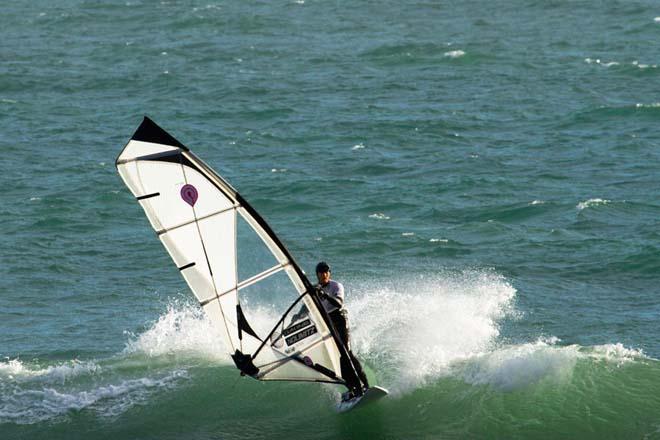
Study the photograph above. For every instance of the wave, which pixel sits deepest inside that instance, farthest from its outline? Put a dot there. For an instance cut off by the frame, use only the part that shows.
(379, 216)
(414, 331)
(517, 366)
(32, 405)
(602, 114)
(183, 330)
(507, 213)
(15, 369)
(422, 336)
(454, 54)
(411, 53)
(152, 361)
(404, 49)
(591, 203)
(633, 64)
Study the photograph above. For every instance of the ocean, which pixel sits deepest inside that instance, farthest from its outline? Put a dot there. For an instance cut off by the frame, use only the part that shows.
(482, 177)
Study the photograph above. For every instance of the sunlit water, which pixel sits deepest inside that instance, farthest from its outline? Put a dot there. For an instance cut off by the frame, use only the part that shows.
(480, 175)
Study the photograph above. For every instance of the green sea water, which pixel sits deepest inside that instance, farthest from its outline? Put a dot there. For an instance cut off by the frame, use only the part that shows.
(481, 175)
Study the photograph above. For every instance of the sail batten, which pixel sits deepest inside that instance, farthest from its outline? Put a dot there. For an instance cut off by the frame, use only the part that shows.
(260, 276)
(240, 272)
(165, 231)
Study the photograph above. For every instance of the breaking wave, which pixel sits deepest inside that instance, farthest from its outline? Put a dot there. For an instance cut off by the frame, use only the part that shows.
(30, 394)
(413, 332)
(417, 333)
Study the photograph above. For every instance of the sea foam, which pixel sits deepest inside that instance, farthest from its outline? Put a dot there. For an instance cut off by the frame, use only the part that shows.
(418, 331)
(183, 329)
(515, 366)
(414, 331)
(512, 367)
(17, 370)
(23, 405)
(454, 54)
(379, 216)
(411, 331)
(602, 63)
(591, 202)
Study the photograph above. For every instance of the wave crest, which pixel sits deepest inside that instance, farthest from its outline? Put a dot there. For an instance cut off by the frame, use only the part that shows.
(182, 329)
(416, 331)
(592, 202)
(15, 369)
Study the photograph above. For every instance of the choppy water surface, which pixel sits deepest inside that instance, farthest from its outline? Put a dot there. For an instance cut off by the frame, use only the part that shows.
(481, 175)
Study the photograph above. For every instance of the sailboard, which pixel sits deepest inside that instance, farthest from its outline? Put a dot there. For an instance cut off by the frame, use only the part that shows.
(270, 315)
(371, 394)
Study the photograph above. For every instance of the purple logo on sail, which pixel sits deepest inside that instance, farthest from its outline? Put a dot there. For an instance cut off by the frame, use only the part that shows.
(189, 194)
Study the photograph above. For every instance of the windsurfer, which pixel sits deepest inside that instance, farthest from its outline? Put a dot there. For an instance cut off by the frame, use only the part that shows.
(332, 296)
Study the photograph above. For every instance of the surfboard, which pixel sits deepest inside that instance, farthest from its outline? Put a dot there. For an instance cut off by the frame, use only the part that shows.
(371, 395)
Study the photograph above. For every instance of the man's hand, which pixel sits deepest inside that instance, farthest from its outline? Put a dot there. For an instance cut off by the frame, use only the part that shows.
(321, 292)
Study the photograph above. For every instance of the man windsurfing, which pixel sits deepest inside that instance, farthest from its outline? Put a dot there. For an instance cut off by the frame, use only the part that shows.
(332, 298)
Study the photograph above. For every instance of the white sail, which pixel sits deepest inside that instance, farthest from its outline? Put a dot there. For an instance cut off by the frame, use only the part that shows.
(242, 275)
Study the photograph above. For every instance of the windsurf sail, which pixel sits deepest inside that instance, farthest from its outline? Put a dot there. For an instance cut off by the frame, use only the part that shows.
(270, 315)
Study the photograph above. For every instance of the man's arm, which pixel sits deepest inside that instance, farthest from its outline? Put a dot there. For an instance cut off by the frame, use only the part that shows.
(335, 301)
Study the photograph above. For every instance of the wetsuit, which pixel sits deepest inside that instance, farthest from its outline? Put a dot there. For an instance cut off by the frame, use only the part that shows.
(332, 298)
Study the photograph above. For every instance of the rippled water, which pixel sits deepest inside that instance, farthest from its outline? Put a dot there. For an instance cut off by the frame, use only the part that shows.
(481, 176)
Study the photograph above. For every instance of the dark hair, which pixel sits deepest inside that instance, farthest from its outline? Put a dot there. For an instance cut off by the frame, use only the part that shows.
(322, 267)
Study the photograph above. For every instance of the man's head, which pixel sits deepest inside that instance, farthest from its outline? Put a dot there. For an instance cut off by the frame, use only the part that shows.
(323, 272)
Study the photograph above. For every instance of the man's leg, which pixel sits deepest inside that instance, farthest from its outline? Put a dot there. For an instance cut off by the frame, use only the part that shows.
(358, 369)
(345, 333)
(347, 371)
